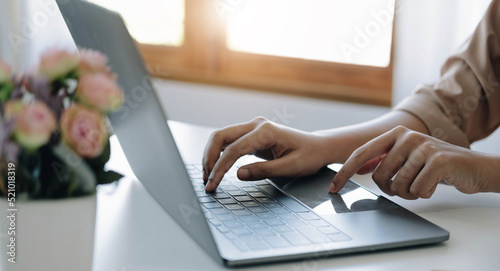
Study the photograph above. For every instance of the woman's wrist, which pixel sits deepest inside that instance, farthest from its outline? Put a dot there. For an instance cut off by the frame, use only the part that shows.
(491, 173)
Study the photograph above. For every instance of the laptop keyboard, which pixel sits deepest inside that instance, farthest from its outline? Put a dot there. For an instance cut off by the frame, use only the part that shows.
(257, 216)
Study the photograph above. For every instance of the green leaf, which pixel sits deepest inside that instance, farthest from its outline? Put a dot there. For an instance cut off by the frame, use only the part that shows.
(77, 169)
(106, 177)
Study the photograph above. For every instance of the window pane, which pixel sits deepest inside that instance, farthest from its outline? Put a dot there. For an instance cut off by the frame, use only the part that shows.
(347, 31)
(151, 21)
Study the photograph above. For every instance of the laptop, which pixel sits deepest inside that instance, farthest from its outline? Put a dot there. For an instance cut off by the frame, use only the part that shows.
(241, 223)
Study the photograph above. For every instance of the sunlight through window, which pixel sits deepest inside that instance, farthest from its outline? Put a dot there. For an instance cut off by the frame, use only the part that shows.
(354, 31)
(158, 22)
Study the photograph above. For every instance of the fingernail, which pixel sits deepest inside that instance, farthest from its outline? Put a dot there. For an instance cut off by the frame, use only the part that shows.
(332, 188)
(243, 174)
(205, 176)
(208, 186)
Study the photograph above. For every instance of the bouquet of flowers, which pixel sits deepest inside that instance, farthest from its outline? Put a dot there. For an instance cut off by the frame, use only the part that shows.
(54, 133)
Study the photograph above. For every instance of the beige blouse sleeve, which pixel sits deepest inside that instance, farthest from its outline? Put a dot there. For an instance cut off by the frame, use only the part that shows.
(464, 105)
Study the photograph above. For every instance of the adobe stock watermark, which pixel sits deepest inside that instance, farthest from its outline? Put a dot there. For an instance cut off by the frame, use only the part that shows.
(222, 7)
(282, 116)
(364, 36)
(32, 26)
(464, 109)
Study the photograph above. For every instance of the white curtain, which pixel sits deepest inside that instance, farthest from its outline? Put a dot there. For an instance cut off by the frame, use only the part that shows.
(427, 32)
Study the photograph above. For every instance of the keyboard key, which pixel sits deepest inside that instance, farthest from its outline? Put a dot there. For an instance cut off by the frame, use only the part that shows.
(241, 212)
(256, 225)
(241, 231)
(249, 238)
(291, 204)
(251, 189)
(257, 209)
(280, 210)
(218, 211)
(260, 182)
(288, 217)
(200, 193)
(214, 221)
(210, 205)
(250, 203)
(223, 229)
(220, 195)
(308, 216)
(257, 194)
(282, 228)
(243, 198)
(266, 215)
(206, 199)
(234, 207)
(257, 245)
(296, 223)
(264, 232)
(339, 237)
(328, 230)
(240, 245)
(265, 200)
(295, 238)
(318, 223)
(233, 224)
(249, 218)
(237, 193)
(314, 235)
(228, 187)
(231, 236)
(274, 222)
(273, 205)
(227, 201)
(277, 241)
(225, 217)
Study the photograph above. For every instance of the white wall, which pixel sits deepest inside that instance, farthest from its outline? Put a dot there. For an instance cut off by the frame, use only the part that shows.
(427, 32)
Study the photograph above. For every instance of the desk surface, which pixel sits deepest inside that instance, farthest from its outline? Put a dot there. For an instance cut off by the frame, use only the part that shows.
(134, 233)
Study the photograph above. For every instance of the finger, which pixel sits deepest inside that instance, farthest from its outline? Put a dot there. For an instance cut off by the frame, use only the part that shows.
(218, 142)
(426, 181)
(255, 140)
(281, 167)
(390, 165)
(374, 148)
(370, 166)
(406, 177)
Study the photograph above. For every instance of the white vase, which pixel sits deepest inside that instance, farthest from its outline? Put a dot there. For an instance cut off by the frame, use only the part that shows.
(49, 234)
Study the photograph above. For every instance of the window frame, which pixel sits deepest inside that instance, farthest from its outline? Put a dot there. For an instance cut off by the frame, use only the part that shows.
(205, 58)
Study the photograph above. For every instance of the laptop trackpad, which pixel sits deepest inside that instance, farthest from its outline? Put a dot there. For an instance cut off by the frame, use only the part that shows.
(313, 191)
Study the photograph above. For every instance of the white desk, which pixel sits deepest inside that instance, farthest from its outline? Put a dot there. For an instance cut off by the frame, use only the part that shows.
(134, 233)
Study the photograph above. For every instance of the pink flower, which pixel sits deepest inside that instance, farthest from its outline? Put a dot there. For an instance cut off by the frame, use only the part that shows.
(12, 108)
(93, 62)
(34, 123)
(5, 72)
(83, 130)
(55, 63)
(99, 91)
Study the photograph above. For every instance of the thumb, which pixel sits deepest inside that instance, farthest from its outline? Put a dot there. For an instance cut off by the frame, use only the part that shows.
(261, 170)
(370, 166)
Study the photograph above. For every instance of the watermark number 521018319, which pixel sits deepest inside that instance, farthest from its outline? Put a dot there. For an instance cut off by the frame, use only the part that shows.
(11, 212)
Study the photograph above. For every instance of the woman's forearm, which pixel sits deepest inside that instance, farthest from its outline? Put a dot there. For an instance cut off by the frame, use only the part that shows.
(341, 142)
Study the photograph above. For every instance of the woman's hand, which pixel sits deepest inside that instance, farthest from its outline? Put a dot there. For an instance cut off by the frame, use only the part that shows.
(290, 152)
(410, 165)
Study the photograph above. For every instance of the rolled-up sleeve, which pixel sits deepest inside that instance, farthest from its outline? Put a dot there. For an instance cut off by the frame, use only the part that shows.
(464, 105)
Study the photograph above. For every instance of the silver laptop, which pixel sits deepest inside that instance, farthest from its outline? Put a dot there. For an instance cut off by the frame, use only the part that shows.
(242, 222)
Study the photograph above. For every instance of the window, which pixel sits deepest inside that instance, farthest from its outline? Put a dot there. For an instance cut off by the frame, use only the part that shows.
(323, 48)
